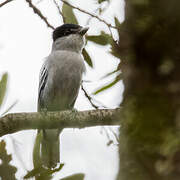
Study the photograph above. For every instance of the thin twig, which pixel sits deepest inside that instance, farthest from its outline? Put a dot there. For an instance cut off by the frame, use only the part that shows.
(112, 35)
(88, 21)
(93, 99)
(110, 141)
(38, 12)
(89, 98)
(100, 103)
(95, 11)
(5, 2)
(90, 14)
(59, 10)
(115, 135)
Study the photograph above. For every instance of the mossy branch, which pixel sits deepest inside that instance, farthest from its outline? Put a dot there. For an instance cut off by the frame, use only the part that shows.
(12, 123)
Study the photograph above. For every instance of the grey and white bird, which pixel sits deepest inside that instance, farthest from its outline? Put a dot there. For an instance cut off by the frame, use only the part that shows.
(59, 83)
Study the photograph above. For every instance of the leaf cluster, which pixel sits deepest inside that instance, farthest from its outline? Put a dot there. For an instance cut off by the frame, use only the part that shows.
(7, 170)
(102, 39)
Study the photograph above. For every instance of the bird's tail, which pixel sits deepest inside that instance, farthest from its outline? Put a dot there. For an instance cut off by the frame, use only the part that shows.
(50, 153)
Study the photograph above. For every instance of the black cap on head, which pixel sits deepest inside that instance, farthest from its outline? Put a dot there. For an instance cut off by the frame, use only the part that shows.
(65, 30)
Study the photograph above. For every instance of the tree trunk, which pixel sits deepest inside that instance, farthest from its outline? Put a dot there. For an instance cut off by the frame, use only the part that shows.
(149, 49)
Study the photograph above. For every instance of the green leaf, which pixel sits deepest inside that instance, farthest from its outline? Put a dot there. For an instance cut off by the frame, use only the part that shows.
(117, 23)
(110, 73)
(117, 79)
(9, 108)
(36, 150)
(100, 1)
(58, 169)
(102, 39)
(7, 170)
(34, 172)
(69, 14)
(79, 176)
(3, 87)
(87, 58)
(42, 172)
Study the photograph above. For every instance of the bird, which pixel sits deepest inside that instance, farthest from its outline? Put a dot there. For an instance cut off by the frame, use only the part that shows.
(59, 82)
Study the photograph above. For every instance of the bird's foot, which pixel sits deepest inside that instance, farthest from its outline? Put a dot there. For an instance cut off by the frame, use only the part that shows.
(44, 111)
(74, 113)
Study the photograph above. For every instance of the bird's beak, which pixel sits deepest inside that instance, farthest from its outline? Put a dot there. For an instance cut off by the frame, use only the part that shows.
(83, 31)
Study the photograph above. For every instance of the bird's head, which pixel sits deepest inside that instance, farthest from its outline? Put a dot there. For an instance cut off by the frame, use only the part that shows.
(69, 37)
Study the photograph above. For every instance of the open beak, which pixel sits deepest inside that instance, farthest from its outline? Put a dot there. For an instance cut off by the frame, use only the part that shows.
(83, 31)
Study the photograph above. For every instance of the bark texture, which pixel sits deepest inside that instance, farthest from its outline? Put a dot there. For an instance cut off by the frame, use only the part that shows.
(149, 49)
(53, 120)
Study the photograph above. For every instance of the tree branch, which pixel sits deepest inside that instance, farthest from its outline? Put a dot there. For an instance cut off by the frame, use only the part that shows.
(90, 14)
(38, 12)
(12, 123)
(5, 2)
(88, 97)
(59, 10)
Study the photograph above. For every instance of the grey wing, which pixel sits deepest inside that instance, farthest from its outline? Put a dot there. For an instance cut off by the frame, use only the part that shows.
(42, 83)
